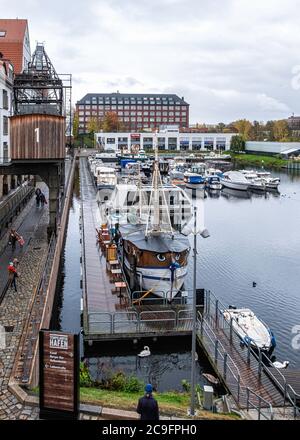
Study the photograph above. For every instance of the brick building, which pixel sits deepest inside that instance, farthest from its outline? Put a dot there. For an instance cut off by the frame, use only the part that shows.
(135, 111)
(14, 42)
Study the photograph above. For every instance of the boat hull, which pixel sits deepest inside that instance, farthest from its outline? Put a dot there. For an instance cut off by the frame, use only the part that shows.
(241, 186)
(158, 280)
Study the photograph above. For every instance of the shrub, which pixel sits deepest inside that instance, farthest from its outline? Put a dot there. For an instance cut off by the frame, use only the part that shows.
(185, 385)
(133, 385)
(85, 376)
(118, 381)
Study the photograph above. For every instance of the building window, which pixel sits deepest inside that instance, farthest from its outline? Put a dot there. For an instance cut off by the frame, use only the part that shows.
(5, 151)
(165, 113)
(2, 33)
(5, 125)
(110, 140)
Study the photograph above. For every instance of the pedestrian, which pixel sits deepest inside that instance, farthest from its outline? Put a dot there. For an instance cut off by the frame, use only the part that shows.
(43, 199)
(12, 239)
(38, 193)
(147, 405)
(12, 274)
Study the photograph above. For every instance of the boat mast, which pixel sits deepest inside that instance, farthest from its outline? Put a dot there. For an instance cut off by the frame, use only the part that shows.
(156, 228)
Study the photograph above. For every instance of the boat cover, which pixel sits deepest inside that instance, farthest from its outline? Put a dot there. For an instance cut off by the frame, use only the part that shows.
(160, 243)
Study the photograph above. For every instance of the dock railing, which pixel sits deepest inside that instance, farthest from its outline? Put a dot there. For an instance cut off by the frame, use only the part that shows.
(229, 371)
(256, 358)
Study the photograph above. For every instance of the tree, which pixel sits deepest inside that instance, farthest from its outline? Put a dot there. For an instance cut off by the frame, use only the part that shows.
(220, 127)
(243, 127)
(281, 130)
(111, 123)
(269, 131)
(75, 125)
(93, 125)
(237, 144)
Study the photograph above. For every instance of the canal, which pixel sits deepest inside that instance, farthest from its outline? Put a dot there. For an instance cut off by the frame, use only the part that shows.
(253, 237)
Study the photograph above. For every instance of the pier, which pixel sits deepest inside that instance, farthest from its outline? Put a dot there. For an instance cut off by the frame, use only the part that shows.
(245, 372)
(107, 313)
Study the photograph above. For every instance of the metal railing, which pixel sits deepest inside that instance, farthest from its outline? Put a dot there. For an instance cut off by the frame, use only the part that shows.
(229, 371)
(256, 358)
(133, 322)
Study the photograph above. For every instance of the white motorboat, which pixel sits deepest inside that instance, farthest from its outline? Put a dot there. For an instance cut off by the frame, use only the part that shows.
(250, 329)
(235, 180)
(105, 177)
(213, 182)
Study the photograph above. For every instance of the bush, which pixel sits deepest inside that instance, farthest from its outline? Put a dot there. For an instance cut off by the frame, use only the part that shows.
(186, 385)
(85, 376)
(117, 382)
(133, 385)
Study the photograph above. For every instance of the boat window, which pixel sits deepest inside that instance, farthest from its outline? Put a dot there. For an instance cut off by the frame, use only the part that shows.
(161, 257)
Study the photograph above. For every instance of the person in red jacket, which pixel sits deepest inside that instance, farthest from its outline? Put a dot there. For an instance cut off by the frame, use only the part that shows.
(147, 405)
(12, 275)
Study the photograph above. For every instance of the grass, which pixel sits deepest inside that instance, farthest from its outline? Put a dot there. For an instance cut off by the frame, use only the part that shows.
(170, 403)
(257, 160)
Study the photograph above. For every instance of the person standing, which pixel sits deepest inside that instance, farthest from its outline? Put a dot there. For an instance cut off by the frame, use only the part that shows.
(12, 239)
(12, 275)
(147, 405)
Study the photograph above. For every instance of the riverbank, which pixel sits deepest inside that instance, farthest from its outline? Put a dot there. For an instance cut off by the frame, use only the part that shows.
(170, 403)
(255, 160)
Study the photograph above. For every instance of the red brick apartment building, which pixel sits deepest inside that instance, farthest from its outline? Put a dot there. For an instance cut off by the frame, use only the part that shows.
(135, 111)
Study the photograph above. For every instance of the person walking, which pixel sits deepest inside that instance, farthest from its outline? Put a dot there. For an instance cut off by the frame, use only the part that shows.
(38, 193)
(12, 275)
(12, 239)
(147, 405)
(43, 199)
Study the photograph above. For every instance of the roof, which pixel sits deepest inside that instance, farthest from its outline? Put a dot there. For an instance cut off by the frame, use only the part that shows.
(15, 30)
(160, 243)
(134, 96)
(12, 44)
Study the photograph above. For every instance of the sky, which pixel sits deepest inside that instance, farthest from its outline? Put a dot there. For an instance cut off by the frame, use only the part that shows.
(229, 59)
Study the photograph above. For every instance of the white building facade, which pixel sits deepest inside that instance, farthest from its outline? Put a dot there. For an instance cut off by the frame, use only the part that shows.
(6, 85)
(168, 140)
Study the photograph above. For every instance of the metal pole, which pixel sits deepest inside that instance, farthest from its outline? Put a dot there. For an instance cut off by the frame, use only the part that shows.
(194, 317)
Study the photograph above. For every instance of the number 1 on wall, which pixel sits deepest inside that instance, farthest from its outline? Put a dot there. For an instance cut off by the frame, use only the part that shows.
(37, 134)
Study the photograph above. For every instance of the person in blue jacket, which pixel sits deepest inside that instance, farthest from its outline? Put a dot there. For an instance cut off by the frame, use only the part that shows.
(147, 405)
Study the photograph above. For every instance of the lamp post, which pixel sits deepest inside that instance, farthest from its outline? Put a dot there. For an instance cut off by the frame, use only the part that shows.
(205, 234)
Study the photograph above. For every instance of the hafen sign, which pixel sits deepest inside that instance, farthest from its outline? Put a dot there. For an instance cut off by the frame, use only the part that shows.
(59, 375)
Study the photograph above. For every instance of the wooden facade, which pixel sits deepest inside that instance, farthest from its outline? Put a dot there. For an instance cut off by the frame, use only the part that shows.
(37, 136)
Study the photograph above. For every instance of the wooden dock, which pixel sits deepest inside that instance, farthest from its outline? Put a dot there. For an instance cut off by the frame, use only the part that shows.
(245, 373)
(106, 315)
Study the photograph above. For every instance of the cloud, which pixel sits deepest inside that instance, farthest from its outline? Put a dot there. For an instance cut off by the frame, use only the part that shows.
(230, 58)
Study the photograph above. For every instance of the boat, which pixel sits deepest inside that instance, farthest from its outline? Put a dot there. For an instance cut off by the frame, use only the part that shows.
(251, 329)
(194, 180)
(212, 379)
(154, 254)
(235, 180)
(213, 182)
(105, 177)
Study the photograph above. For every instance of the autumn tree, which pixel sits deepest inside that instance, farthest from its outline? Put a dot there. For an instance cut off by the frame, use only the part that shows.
(93, 126)
(75, 127)
(281, 130)
(111, 123)
(243, 127)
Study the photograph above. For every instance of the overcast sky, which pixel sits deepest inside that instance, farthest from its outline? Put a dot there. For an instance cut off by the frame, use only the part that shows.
(229, 58)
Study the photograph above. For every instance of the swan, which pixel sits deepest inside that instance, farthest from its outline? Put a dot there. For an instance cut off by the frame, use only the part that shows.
(284, 364)
(145, 352)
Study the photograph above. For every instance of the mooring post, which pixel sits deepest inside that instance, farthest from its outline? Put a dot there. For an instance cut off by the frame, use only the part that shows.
(248, 353)
(259, 364)
(217, 312)
(231, 320)
(216, 351)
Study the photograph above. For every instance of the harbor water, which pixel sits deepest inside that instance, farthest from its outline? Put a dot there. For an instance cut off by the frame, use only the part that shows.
(253, 238)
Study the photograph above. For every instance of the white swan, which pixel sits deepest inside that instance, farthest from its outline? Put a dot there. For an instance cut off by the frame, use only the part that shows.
(281, 364)
(145, 352)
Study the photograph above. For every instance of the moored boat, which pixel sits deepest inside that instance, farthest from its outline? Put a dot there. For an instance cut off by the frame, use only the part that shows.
(251, 329)
(235, 180)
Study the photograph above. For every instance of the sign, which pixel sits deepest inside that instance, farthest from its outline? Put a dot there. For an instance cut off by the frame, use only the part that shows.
(59, 375)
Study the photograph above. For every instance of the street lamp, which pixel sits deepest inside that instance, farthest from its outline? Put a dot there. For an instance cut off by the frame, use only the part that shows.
(204, 234)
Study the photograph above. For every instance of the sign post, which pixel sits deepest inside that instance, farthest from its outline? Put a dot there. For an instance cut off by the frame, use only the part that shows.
(59, 375)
